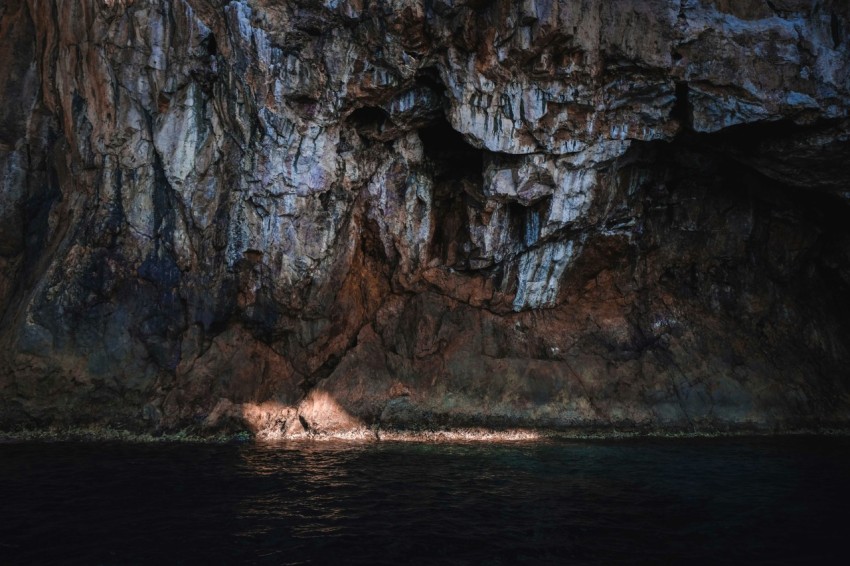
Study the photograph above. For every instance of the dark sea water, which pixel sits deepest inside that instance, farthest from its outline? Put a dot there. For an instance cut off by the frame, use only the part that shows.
(754, 501)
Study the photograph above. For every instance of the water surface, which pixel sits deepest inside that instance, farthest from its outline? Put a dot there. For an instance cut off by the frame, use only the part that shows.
(768, 501)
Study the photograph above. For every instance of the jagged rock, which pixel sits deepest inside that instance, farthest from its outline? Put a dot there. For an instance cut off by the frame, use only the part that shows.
(330, 217)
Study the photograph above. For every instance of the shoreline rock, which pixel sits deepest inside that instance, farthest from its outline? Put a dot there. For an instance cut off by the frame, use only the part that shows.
(437, 436)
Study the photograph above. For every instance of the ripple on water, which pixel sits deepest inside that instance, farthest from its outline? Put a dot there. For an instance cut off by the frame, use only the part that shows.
(760, 500)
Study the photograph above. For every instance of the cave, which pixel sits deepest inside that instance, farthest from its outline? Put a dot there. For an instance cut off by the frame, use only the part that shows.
(686, 205)
(369, 121)
(456, 167)
(477, 281)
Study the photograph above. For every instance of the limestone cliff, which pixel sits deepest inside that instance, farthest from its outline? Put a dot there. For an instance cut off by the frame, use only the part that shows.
(326, 216)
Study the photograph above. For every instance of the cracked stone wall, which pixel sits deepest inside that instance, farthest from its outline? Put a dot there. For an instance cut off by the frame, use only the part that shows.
(328, 216)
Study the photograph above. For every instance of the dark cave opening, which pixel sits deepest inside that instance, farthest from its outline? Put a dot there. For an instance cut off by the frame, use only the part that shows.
(752, 235)
(210, 45)
(430, 77)
(451, 156)
(368, 121)
(837, 31)
(682, 110)
(752, 134)
(457, 171)
(781, 149)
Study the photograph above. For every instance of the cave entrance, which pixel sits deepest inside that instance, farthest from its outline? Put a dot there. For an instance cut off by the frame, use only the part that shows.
(451, 156)
(456, 167)
(369, 121)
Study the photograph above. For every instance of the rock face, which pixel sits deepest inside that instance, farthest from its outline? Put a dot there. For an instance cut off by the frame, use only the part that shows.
(298, 215)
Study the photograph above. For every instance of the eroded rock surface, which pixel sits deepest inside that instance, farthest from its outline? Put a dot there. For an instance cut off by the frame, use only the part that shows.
(331, 217)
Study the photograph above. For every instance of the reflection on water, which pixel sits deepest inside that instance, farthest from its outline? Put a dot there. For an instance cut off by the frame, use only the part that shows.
(762, 501)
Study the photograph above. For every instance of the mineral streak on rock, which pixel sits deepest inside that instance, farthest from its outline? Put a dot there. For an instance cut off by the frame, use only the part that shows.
(306, 217)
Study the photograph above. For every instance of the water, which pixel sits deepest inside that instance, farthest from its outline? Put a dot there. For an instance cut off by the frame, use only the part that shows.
(763, 501)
